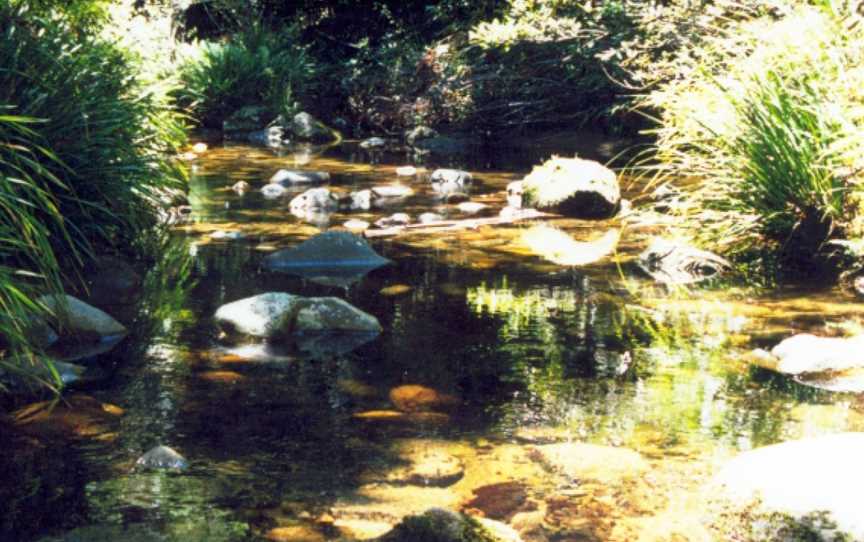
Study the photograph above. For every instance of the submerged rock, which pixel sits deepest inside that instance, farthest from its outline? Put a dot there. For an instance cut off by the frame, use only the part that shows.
(811, 486)
(500, 501)
(272, 191)
(162, 457)
(573, 187)
(673, 263)
(294, 533)
(581, 461)
(292, 177)
(335, 258)
(416, 398)
(78, 317)
(438, 525)
(435, 468)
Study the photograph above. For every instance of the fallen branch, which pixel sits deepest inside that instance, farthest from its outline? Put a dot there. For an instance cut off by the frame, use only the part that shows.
(451, 225)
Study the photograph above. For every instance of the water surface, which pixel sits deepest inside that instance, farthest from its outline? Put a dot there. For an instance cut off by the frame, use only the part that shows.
(526, 351)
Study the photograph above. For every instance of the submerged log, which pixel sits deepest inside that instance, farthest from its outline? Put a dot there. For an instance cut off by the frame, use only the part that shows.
(451, 225)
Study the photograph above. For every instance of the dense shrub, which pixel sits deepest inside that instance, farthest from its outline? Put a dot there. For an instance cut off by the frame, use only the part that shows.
(766, 118)
(83, 162)
(254, 67)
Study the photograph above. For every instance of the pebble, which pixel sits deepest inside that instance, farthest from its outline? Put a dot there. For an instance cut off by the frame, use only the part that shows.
(406, 171)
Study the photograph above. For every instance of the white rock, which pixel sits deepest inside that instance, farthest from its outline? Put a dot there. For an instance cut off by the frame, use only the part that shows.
(797, 479)
(810, 354)
(266, 315)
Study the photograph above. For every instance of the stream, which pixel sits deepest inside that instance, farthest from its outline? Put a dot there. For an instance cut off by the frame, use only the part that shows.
(490, 355)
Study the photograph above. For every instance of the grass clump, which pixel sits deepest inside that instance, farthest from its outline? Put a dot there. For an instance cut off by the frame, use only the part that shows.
(255, 67)
(83, 160)
(763, 122)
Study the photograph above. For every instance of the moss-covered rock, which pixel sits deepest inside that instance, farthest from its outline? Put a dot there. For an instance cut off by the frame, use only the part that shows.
(573, 187)
(437, 525)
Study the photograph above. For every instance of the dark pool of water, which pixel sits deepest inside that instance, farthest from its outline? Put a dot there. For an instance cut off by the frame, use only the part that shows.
(529, 350)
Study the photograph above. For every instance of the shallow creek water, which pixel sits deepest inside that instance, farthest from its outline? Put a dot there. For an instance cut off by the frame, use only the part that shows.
(517, 351)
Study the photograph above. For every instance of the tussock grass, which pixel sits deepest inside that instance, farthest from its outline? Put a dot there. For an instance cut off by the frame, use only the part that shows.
(257, 67)
(766, 119)
(83, 160)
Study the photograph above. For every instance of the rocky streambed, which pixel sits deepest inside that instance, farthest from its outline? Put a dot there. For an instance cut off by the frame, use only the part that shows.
(524, 377)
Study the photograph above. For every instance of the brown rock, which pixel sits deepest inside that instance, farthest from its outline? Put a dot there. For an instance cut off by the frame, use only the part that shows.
(295, 533)
(224, 377)
(76, 415)
(501, 501)
(416, 398)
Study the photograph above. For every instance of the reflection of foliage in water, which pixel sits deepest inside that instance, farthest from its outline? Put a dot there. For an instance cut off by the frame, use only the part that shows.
(179, 503)
(520, 309)
(684, 384)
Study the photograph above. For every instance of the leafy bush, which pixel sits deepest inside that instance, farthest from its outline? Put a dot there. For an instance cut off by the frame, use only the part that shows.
(766, 119)
(83, 162)
(256, 67)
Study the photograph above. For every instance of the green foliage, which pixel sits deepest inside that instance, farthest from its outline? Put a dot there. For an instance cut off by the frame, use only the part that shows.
(256, 67)
(82, 158)
(767, 119)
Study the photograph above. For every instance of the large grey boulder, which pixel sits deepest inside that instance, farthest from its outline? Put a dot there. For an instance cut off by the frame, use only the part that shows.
(267, 315)
(333, 258)
(573, 187)
(305, 127)
(810, 489)
(673, 263)
(80, 318)
(277, 315)
(333, 314)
